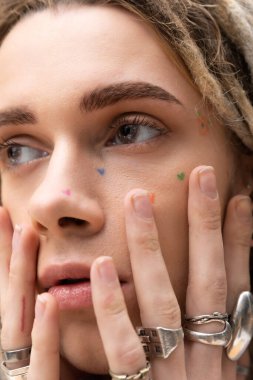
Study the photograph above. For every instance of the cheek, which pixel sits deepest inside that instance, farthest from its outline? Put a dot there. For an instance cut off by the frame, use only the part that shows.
(15, 201)
(170, 210)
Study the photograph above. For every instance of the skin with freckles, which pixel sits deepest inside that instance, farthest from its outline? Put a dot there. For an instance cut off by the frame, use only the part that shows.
(67, 59)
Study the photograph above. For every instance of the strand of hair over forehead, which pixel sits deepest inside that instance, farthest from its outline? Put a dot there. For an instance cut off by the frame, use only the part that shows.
(215, 79)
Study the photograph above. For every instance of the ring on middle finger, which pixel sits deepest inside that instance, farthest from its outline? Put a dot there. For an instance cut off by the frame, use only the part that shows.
(159, 341)
(221, 338)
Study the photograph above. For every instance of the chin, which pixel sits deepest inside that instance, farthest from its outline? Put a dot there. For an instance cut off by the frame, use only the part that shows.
(82, 348)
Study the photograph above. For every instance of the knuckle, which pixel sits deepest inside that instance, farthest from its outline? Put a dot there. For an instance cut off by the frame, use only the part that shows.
(112, 305)
(243, 239)
(148, 242)
(129, 356)
(212, 220)
(219, 286)
(166, 309)
(213, 290)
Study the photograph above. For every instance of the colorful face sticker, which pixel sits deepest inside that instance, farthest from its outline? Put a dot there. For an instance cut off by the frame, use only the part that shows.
(203, 123)
(181, 176)
(101, 171)
(152, 198)
(67, 192)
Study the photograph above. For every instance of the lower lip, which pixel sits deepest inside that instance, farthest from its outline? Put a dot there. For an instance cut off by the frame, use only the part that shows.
(72, 296)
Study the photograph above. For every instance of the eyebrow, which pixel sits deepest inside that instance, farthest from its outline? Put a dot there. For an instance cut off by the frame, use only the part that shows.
(99, 98)
(16, 116)
(115, 93)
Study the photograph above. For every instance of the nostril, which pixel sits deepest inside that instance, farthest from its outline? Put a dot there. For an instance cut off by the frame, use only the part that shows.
(68, 221)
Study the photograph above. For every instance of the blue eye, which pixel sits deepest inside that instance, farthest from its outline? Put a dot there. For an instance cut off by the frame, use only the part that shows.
(15, 154)
(135, 129)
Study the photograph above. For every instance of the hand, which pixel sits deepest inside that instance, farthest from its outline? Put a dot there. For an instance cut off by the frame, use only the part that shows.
(122, 346)
(17, 285)
(218, 272)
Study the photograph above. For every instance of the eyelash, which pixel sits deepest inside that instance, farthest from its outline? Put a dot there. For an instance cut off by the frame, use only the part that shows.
(130, 121)
(137, 120)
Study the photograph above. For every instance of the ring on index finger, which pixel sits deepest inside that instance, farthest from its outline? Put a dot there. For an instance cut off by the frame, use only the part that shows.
(159, 341)
(12, 357)
(16, 356)
(15, 374)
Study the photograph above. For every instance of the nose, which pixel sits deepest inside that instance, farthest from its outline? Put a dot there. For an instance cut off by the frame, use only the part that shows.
(64, 202)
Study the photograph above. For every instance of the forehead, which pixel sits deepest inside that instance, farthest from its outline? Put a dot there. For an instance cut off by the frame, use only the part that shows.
(89, 35)
(81, 46)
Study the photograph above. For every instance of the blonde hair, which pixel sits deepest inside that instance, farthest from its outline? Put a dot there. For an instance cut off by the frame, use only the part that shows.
(213, 38)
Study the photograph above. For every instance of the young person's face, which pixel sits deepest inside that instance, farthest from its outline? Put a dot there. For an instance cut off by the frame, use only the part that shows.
(81, 154)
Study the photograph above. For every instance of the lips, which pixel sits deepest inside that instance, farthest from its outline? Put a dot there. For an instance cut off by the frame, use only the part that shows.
(69, 283)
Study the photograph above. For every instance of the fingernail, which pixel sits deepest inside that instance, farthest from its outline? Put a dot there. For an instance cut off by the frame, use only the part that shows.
(142, 205)
(207, 182)
(16, 237)
(106, 271)
(40, 306)
(243, 208)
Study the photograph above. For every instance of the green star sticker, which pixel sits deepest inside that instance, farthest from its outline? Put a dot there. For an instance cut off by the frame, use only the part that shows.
(181, 176)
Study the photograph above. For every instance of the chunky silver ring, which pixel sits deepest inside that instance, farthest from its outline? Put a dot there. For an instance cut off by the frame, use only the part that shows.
(208, 318)
(159, 341)
(222, 338)
(242, 326)
(242, 370)
(15, 356)
(141, 374)
(15, 374)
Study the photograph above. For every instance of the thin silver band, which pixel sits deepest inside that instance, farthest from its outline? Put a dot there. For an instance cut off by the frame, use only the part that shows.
(141, 374)
(208, 318)
(222, 338)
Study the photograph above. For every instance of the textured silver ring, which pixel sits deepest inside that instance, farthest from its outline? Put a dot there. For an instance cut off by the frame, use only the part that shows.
(141, 374)
(159, 341)
(222, 338)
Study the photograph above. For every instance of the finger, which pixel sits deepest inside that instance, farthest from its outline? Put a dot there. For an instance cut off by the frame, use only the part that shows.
(156, 298)
(122, 346)
(243, 367)
(19, 305)
(238, 228)
(45, 358)
(6, 232)
(237, 234)
(207, 289)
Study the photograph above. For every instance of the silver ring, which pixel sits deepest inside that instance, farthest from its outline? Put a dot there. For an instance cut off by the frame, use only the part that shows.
(15, 374)
(208, 318)
(141, 374)
(159, 341)
(242, 326)
(222, 338)
(242, 370)
(15, 356)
